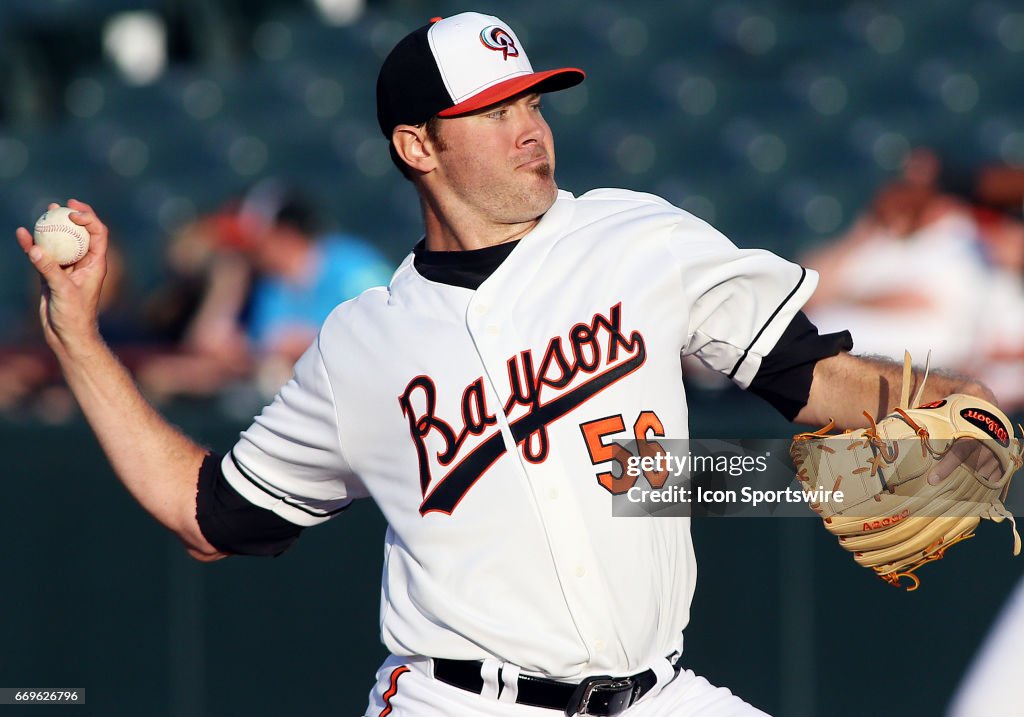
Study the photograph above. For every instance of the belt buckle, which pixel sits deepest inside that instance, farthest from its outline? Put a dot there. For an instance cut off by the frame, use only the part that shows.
(621, 693)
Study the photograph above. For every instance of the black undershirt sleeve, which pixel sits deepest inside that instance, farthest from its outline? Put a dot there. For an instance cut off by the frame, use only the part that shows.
(784, 377)
(232, 524)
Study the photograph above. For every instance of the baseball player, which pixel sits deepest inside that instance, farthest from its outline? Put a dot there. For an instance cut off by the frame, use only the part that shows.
(477, 399)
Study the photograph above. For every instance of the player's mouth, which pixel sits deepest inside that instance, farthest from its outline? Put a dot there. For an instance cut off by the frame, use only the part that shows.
(534, 162)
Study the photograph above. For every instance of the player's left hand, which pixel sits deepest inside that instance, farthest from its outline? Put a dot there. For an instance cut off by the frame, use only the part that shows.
(971, 453)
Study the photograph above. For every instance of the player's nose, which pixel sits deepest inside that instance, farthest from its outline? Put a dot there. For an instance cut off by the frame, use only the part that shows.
(531, 127)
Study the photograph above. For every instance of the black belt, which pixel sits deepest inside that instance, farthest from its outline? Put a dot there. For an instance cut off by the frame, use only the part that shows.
(601, 695)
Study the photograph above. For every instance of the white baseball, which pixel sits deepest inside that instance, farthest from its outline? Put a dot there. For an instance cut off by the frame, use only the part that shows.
(61, 238)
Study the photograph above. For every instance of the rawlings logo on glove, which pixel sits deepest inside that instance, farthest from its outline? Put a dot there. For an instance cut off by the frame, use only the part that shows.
(895, 515)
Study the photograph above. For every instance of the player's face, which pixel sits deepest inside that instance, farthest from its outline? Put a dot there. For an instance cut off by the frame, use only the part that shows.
(500, 162)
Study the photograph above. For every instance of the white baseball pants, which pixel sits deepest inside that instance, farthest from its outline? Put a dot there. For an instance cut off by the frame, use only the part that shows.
(405, 688)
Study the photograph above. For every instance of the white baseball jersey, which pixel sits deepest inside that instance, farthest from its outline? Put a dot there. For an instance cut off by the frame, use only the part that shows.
(483, 425)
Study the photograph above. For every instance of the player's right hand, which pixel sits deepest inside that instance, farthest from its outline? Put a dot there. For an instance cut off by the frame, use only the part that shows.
(70, 297)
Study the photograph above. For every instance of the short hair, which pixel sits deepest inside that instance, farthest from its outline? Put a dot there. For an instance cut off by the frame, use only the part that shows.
(298, 212)
(276, 201)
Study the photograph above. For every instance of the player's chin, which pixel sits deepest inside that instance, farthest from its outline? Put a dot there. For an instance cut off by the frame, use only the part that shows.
(541, 178)
(532, 202)
(542, 184)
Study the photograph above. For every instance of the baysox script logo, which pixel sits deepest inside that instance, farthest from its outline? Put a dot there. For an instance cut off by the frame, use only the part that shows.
(497, 38)
(593, 355)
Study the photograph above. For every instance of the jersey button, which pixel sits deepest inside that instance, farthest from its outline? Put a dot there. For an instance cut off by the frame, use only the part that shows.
(553, 494)
(480, 309)
(493, 330)
(599, 645)
(580, 571)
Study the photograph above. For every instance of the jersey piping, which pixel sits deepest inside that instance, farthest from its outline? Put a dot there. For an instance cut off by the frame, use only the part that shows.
(743, 357)
(294, 504)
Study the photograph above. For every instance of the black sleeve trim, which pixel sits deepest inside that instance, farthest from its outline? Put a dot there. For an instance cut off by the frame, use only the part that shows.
(803, 275)
(785, 375)
(231, 523)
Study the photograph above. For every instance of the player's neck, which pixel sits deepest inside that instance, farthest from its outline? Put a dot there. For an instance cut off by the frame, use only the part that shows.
(458, 231)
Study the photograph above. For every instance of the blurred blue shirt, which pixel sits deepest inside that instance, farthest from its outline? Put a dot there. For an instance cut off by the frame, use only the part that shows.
(343, 266)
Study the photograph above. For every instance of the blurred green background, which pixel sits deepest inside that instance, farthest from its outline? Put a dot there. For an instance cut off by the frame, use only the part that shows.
(775, 120)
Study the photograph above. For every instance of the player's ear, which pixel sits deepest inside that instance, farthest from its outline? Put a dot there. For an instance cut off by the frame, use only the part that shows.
(413, 147)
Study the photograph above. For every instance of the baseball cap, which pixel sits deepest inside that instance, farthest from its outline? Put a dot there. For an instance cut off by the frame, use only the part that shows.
(456, 65)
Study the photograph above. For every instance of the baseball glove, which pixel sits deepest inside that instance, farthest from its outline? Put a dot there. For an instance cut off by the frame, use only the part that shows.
(871, 486)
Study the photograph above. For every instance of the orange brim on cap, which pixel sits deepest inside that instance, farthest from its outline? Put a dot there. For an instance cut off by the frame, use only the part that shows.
(547, 81)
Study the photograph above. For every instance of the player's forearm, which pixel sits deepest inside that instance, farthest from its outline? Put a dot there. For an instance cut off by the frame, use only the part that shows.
(845, 386)
(157, 464)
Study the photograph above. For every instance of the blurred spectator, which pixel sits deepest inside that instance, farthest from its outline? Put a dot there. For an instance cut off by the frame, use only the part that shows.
(271, 274)
(199, 313)
(909, 275)
(248, 288)
(935, 263)
(204, 281)
(999, 361)
(302, 271)
(994, 187)
(22, 371)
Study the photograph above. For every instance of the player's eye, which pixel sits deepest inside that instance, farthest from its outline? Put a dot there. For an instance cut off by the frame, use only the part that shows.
(498, 113)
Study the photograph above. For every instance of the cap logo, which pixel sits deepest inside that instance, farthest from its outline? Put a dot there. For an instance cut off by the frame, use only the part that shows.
(497, 38)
